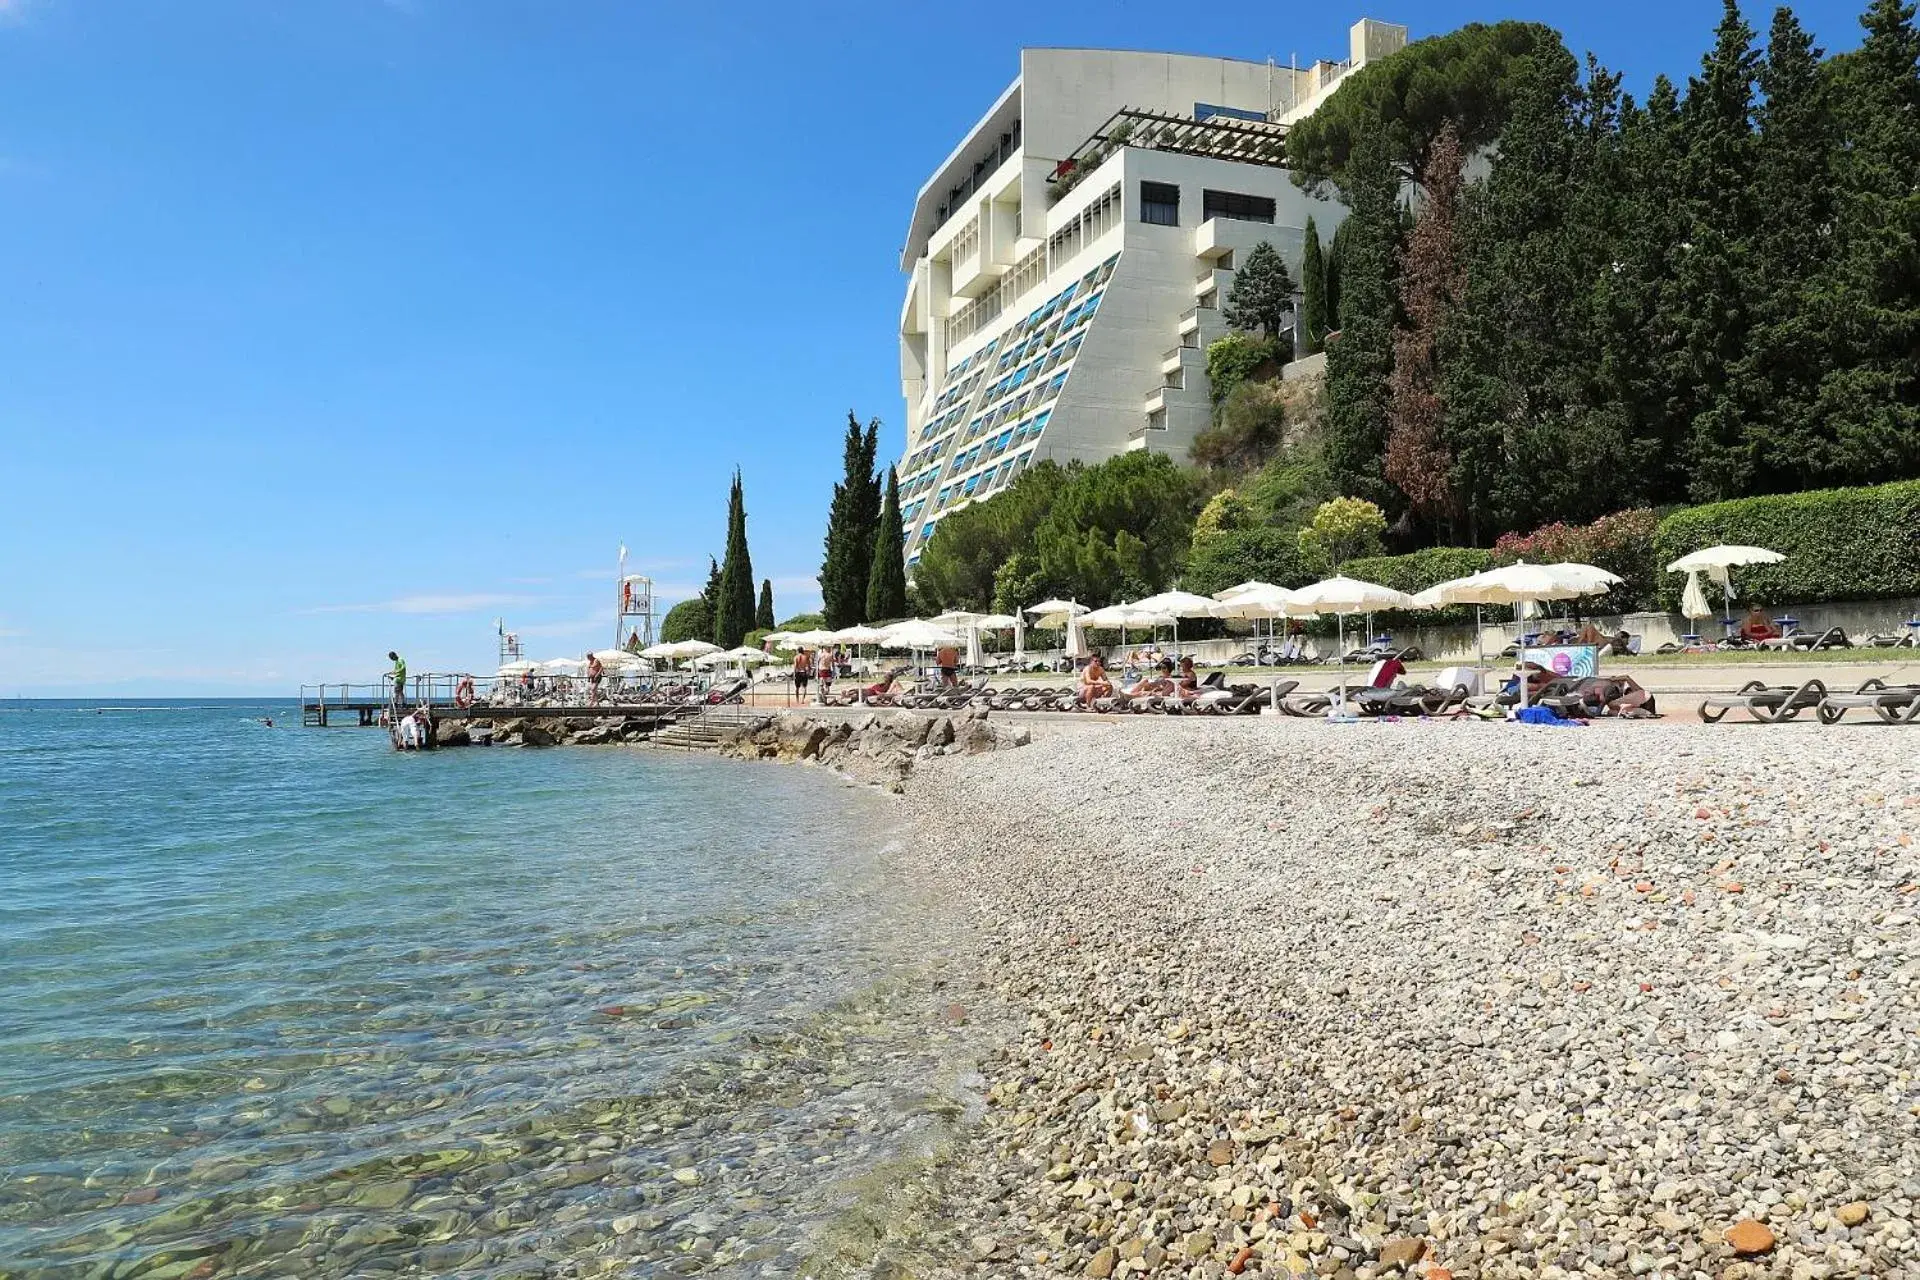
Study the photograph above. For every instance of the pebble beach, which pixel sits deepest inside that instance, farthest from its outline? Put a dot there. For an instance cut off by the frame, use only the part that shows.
(1440, 999)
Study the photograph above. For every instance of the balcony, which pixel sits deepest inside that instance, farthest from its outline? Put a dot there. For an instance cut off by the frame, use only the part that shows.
(1215, 282)
(1156, 404)
(1192, 320)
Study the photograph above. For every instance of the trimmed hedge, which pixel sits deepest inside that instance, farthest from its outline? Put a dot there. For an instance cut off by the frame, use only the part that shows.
(1415, 572)
(1840, 544)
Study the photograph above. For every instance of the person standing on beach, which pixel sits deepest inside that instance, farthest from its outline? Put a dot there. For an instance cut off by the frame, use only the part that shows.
(824, 674)
(948, 660)
(399, 677)
(802, 672)
(595, 670)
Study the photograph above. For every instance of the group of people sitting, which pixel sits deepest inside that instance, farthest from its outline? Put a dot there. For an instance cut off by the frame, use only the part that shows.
(1164, 679)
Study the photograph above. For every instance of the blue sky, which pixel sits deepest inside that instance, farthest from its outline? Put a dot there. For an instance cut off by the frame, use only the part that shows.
(331, 326)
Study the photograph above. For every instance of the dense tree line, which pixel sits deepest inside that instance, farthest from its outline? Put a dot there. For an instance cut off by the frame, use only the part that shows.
(1555, 301)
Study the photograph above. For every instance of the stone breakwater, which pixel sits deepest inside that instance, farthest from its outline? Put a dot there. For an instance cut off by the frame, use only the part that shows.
(538, 729)
(880, 748)
(1447, 1000)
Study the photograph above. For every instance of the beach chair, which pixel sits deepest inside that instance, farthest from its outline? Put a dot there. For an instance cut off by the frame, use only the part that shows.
(1769, 704)
(1893, 703)
(1241, 699)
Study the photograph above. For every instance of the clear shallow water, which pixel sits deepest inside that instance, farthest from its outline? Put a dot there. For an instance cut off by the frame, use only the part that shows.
(283, 1001)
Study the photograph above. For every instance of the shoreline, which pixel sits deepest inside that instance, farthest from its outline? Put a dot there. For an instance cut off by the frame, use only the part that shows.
(1462, 1000)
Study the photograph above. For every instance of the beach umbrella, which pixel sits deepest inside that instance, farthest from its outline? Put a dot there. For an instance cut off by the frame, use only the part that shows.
(743, 656)
(1244, 588)
(974, 657)
(1178, 605)
(662, 651)
(1693, 600)
(1076, 638)
(858, 634)
(509, 670)
(812, 639)
(955, 618)
(1053, 613)
(1340, 596)
(1521, 583)
(916, 633)
(1124, 616)
(1715, 563)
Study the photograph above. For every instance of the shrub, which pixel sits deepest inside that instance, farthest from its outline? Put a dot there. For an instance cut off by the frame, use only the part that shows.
(1621, 543)
(1233, 359)
(1246, 555)
(1225, 511)
(1840, 544)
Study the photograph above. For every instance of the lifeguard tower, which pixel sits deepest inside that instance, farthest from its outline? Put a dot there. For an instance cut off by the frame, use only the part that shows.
(509, 642)
(633, 627)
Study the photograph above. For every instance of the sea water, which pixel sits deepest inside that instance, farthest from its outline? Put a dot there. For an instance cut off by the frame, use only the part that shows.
(282, 1001)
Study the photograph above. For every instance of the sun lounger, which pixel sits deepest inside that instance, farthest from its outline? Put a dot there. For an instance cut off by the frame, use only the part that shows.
(1764, 702)
(1808, 641)
(1893, 703)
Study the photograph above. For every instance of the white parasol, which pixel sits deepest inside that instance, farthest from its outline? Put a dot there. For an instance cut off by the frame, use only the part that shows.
(1522, 583)
(1693, 600)
(1244, 588)
(916, 633)
(1715, 562)
(1053, 613)
(1341, 595)
(522, 667)
(1076, 647)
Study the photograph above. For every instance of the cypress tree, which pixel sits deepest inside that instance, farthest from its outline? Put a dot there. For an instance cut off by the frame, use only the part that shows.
(734, 617)
(763, 616)
(1869, 396)
(850, 525)
(1313, 289)
(1360, 364)
(1645, 367)
(1715, 303)
(1776, 379)
(887, 581)
(710, 596)
(1336, 258)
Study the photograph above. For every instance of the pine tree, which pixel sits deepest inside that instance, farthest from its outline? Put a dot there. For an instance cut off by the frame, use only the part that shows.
(1313, 289)
(1360, 364)
(710, 596)
(763, 616)
(850, 525)
(1645, 369)
(734, 613)
(1774, 382)
(1261, 296)
(887, 580)
(1869, 397)
(1715, 289)
(1432, 280)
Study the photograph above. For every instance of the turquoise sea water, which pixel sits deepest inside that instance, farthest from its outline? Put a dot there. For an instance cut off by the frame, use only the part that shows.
(283, 1001)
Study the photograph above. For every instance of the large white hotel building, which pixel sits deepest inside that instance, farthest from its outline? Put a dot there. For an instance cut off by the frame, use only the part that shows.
(1068, 260)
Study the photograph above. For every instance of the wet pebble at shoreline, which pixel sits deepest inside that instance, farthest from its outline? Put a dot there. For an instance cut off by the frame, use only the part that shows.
(1438, 999)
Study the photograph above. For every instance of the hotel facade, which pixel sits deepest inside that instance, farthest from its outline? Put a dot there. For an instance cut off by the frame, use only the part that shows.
(1067, 262)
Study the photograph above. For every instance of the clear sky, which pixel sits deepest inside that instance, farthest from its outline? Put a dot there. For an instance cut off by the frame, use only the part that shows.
(332, 326)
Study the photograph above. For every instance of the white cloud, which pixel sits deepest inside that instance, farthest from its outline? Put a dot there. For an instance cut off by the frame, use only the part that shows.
(472, 602)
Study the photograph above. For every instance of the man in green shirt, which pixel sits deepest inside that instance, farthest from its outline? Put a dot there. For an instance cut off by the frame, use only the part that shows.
(399, 678)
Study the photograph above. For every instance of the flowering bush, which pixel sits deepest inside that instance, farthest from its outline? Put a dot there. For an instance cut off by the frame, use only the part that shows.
(1621, 543)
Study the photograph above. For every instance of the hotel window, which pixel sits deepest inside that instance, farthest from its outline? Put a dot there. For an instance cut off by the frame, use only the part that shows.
(1236, 205)
(1160, 204)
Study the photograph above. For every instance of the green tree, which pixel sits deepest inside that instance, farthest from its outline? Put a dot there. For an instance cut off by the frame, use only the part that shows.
(1314, 313)
(1260, 300)
(763, 616)
(1401, 103)
(688, 620)
(1336, 264)
(1869, 396)
(710, 596)
(1528, 428)
(1341, 530)
(734, 611)
(958, 564)
(1259, 554)
(1360, 364)
(850, 524)
(1233, 359)
(1715, 302)
(1775, 380)
(1116, 531)
(887, 580)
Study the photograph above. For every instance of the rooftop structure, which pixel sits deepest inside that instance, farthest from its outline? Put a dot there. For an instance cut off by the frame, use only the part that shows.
(1067, 261)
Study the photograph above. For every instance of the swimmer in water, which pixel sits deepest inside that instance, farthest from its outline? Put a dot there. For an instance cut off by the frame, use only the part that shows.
(267, 721)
